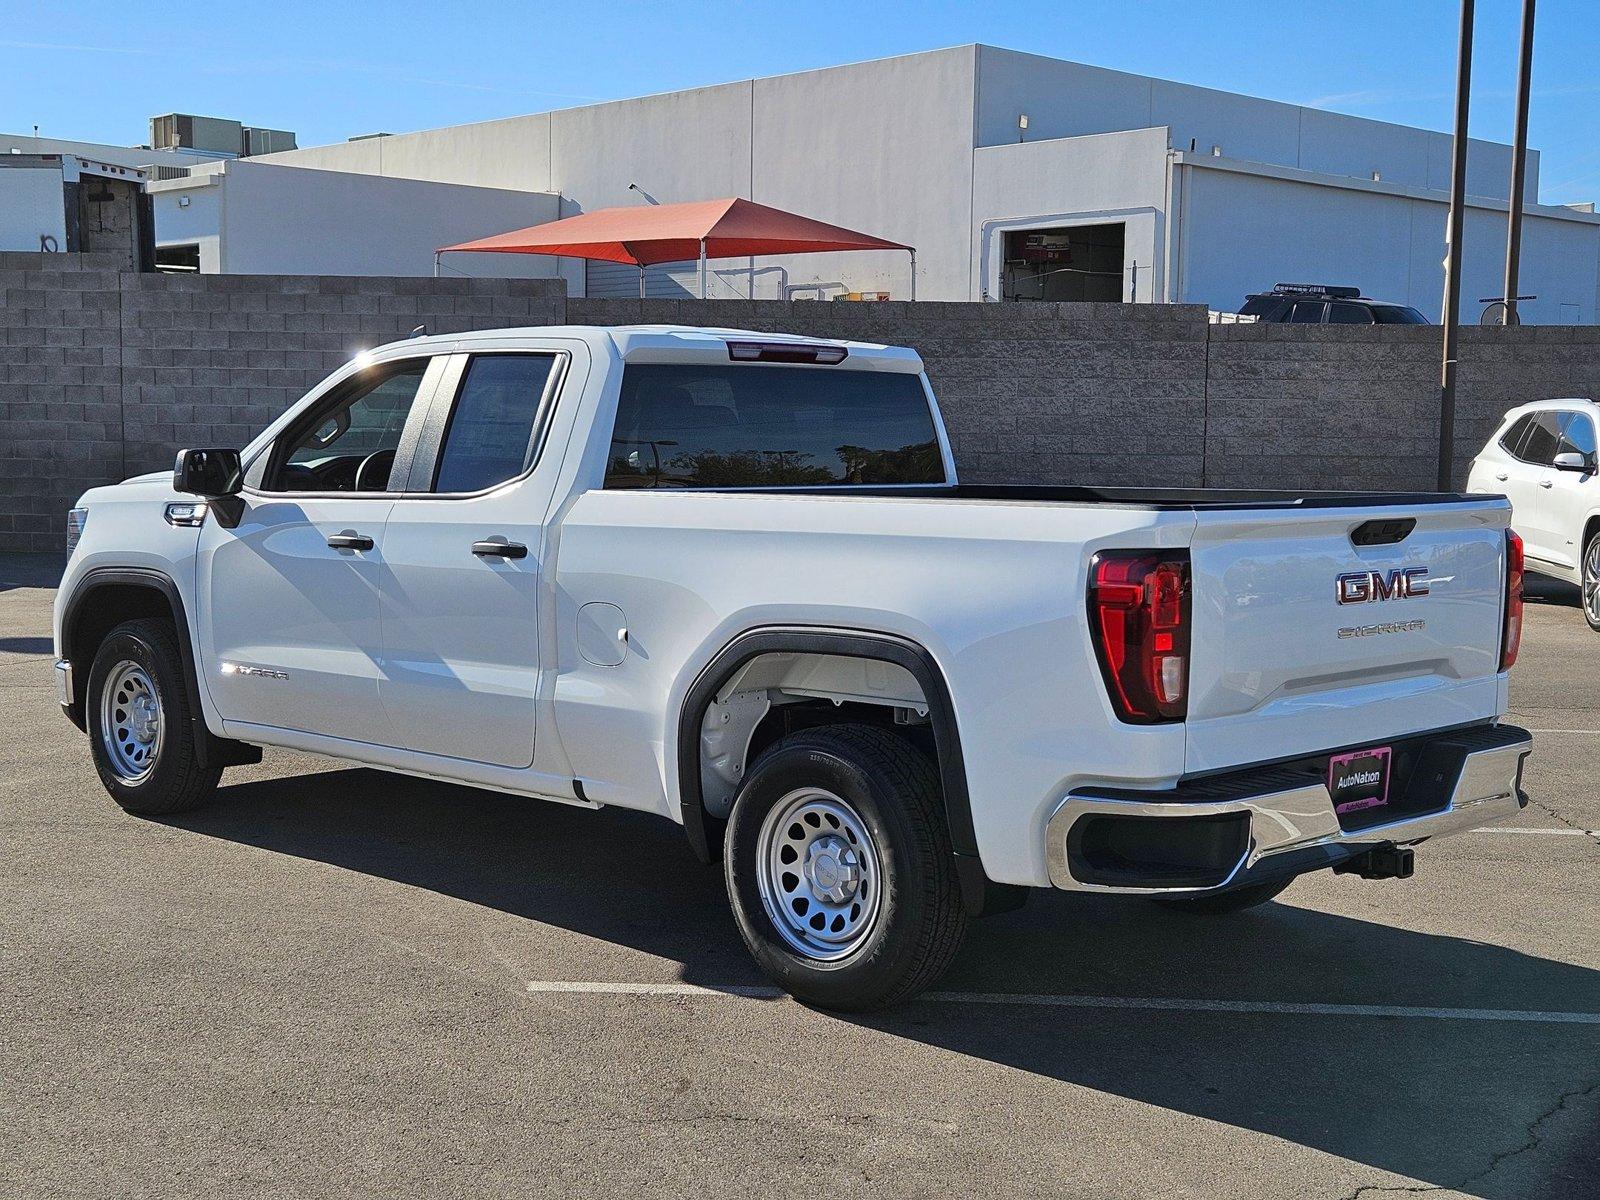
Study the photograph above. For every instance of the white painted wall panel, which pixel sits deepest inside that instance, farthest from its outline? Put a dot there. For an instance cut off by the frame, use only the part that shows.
(275, 220)
(1094, 179)
(1245, 232)
(884, 148)
(31, 206)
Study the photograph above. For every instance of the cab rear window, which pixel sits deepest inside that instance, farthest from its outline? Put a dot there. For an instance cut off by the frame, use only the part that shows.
(714, 425)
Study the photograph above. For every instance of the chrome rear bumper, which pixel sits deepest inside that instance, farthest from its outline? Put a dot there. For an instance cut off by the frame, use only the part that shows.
(1295, 816)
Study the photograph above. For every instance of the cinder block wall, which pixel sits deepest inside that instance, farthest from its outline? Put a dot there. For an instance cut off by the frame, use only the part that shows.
(1153, 395)
(210, 359)
(60, 390)
(105, 374)
(1340, 406)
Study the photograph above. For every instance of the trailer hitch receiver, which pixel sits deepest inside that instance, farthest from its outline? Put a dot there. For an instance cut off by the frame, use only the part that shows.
(1381, 862)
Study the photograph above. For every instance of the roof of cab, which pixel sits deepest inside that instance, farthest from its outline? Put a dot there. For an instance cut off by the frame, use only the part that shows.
(656, 342)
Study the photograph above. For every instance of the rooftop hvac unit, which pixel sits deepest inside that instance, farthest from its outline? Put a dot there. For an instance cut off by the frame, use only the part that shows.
(184, 131)
(267, 141)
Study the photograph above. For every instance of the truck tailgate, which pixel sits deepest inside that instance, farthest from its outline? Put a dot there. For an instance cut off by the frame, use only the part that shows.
(1288, 660)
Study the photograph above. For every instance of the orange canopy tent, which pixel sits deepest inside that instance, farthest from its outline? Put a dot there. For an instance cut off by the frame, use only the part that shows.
(660, 233)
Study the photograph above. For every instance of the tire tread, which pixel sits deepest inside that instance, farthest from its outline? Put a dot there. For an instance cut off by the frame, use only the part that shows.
(904, 772)
(185, 784)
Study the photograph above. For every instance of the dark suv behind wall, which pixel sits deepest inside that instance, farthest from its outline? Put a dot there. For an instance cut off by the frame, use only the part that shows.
(1319, 304)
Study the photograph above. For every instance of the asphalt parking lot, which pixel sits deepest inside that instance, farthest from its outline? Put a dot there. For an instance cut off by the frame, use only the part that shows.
(336, 982)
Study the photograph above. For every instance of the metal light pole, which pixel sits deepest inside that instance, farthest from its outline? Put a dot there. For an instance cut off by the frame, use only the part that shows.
(1519, 151)
(1452, 268)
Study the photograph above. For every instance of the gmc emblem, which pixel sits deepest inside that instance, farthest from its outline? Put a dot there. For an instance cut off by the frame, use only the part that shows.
(1362, 587)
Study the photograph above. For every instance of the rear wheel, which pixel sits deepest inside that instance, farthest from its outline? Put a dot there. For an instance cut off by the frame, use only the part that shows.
(1236, 900)
(1591, 581)
(840, 871)
(141, 730)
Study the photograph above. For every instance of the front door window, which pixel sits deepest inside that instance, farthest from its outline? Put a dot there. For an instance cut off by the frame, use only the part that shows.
(351, 447)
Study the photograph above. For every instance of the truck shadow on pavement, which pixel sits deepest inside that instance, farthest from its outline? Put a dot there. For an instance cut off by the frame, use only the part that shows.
(1541, 589)
(1453, 1102)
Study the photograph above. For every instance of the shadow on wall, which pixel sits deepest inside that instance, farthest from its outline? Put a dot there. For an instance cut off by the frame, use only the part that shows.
(1438, 1100)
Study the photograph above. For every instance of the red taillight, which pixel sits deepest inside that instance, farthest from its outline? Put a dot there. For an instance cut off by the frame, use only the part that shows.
(1511, 634)
(1139, 616)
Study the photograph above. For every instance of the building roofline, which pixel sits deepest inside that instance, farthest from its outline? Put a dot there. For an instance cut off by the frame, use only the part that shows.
(1355, 183)
(974, 47)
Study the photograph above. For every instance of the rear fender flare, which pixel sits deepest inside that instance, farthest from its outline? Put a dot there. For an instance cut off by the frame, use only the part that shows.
(705, 831)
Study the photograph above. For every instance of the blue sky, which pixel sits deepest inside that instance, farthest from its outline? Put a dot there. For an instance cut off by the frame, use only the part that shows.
(96, 71)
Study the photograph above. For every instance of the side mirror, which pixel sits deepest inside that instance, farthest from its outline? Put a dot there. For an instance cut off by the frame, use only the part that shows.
(208, 473)
(1571, 460)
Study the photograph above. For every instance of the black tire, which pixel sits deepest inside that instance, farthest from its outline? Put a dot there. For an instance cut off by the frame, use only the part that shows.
(1237, 900)
(174, 781)
(920, 921)
(1591, 582)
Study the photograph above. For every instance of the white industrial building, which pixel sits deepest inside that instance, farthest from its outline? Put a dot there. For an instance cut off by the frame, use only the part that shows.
(248, 217)
(1018, 177)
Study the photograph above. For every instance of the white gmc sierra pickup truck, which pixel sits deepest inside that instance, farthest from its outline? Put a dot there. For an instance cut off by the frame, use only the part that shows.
(730, 578)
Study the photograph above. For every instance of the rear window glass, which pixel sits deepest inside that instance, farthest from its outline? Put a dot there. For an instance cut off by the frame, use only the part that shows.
(1515, 436)
(714, 425)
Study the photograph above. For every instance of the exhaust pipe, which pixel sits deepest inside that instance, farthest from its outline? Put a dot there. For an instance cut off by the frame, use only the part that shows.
(1381, 862)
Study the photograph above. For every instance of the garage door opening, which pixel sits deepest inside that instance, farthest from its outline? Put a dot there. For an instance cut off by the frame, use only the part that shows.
(182, 259)
(1079, 262)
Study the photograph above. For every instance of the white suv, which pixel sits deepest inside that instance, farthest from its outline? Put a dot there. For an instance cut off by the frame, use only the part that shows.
(1543, 459)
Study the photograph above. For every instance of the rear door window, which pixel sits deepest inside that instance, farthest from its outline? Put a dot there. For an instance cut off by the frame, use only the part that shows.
(1307, 312)
(494, 424)
(1544, 435)
(1348, 314)
(715, 425)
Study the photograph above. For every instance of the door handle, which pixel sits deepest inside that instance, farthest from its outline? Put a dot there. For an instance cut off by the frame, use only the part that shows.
(494, 549)
(349, 541)
(1544, 483)
(1502, 478)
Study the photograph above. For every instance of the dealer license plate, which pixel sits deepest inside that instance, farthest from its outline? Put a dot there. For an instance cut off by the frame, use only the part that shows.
(1360, 779)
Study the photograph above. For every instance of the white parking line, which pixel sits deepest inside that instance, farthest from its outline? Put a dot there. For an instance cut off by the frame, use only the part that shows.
(1545, 832)
(1147, 1003)
(1590, 732)
(655, 989)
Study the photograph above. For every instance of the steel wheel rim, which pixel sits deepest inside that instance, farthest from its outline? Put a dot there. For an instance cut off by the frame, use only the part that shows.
(132, 724)
(1591, 581)
(819, 874)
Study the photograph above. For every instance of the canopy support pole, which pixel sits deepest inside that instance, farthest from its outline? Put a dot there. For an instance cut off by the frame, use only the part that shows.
(436, 255)
(702, 268)
(641, 281)
(913, 254)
